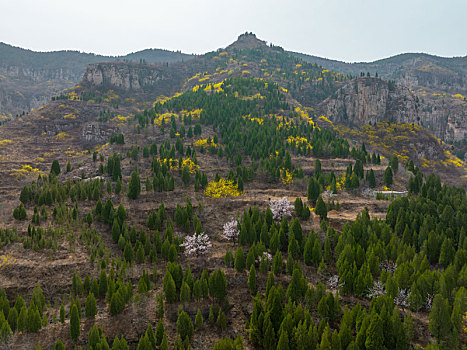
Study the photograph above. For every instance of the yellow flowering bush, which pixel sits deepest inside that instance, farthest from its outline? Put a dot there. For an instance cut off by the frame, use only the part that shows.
(25, 170)
(286, 176)
(204, 142)
(7, 259)
(62, 136)
(297, 141)
(166, 117)
(5, 142)
(192, 167)
(221, 189)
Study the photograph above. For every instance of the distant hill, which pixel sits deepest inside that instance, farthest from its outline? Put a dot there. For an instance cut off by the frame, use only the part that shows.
(28, 79)
(411, 69)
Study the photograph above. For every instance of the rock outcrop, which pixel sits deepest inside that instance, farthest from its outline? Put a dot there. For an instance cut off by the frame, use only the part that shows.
(369, 100)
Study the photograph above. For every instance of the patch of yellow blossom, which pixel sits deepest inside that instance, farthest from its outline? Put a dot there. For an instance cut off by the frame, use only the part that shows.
(101, 147)
(297, 141)
(73, 96)
(205, 142)
(7, 259)
(286, 176)
(25, 170)
(192, 167)
(206, 77)
(193, 113)
(71, 153)
(256, 96)
(218, 87)
(223, 53)
(385, 188)
(166, 117)
(69, 116)
(40, 159)
(322, 117)
(5, 142)
(222, 189)
(62, 136)
(325, 71)
(339, 184)
(245, 72)
(460, 96)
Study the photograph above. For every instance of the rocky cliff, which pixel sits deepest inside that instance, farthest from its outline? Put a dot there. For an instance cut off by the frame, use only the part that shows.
(370, 100)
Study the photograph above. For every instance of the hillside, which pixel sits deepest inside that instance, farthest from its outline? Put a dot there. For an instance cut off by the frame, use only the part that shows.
(413, 70)
(29, 79)
(225, 202)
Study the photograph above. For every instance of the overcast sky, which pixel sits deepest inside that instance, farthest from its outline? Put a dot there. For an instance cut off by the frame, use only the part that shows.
(348, 30)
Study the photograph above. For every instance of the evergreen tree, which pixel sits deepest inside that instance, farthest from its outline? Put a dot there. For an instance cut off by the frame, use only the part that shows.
(74, 323)
(199, 320)
(387, 178)
(283, 343)
(55, 168)
(252, 280)
(90, 306)
(440, 321)
(371, 178)
(221, 321)
(374, 334)
(184, 325)
(239, 260)
(169, 288)
(313, 189)
(134, 188)
(321, 208)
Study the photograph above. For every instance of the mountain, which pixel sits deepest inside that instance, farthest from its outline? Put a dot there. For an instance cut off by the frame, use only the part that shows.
(29, 79)
(263, 198)
(414, 70)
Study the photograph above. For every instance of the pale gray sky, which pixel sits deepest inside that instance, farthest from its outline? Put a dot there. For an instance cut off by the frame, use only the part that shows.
(348, 30)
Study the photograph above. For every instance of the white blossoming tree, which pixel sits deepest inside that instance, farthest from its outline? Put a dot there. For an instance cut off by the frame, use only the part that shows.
(198, 244)
(280, 208)
(231, 230)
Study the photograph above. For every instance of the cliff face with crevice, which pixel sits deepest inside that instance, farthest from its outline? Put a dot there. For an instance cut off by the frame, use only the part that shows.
(369, 100)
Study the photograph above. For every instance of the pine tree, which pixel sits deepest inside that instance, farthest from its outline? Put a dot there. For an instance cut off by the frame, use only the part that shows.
(371, 178)
(134, 188)
(387, 178)
(90, 306)
(169, 288)
(218, 285)
(185, 293)
(55, 168)
(321, 208)
(313, 189)
(160, 332)
(374, 334)
(239, 260)
(277, 263)
(221, 321)
(283, 343)
(252, 280)
(184, 325)
(62, 313)
(440, 321)
(199, 320)
(74, 323)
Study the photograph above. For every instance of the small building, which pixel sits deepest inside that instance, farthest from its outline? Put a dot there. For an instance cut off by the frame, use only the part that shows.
(390, 194)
